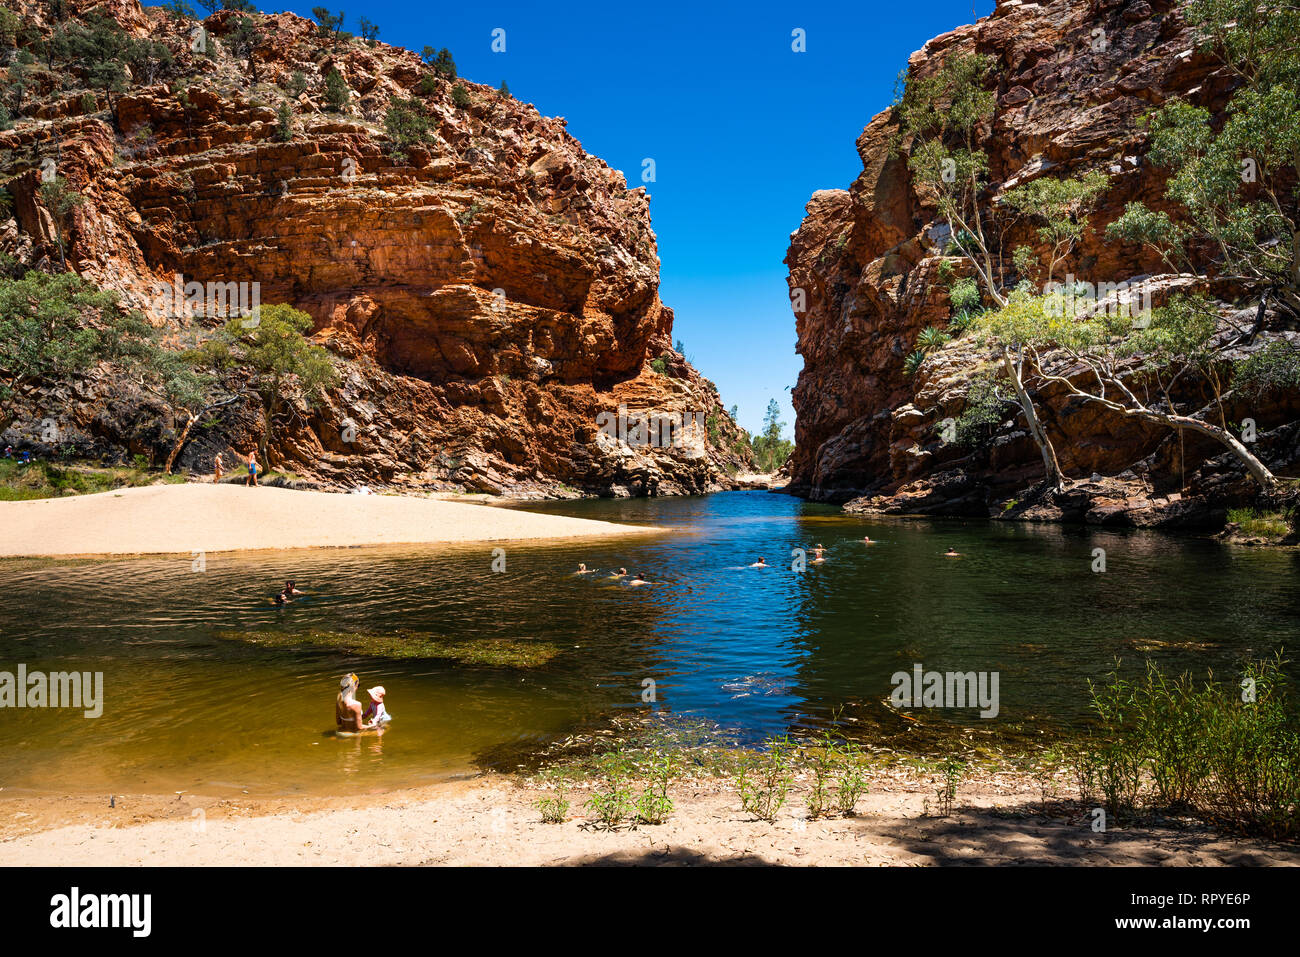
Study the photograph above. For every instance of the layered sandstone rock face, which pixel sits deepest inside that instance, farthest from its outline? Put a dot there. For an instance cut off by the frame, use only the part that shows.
(488, 295)
(1074, 79)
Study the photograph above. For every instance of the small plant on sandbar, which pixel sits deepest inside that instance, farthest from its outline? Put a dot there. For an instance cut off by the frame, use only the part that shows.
(852, 779)
(612, 804)
(946, 792)
(654, 805)
(763, 780)
(555, 810)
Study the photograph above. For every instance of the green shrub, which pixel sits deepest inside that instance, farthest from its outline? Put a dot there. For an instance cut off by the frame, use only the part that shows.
(336, 91)
(838, 776)
(284, 122)
(407, 124)
(1275, 368)
(555, 810)
(945, 793)
(460, 96)
(983, 411)
(964, 296)
(297, 84)
(613, 802)
(763, 780)
(654, 805)
(1228, 753)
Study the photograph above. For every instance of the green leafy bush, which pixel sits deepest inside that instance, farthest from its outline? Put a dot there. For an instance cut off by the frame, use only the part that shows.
(1227, 752)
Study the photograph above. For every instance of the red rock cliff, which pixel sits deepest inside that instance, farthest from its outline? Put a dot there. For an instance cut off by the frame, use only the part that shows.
(1073, 80)
(488, 295)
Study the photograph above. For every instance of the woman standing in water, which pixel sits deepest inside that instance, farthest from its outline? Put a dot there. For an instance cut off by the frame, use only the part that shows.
(347, 709)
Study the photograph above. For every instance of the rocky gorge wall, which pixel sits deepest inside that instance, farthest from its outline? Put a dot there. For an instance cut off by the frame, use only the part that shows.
(486, 296)
(1073, 81)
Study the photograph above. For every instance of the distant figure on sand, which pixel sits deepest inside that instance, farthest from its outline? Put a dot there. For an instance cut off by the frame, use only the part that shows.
(760, 563)
(347, 709)
(252, 469)
(952, 553)
(217, 469)
(583, 569)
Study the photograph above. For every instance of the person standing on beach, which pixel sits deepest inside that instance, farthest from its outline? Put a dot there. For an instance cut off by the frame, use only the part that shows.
(347, 709)
(217, 470)
(252, 469)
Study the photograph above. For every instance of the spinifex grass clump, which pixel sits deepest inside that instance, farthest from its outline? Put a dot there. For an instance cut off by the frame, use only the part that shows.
(763, 780)
(499, 652)
(1226, 752)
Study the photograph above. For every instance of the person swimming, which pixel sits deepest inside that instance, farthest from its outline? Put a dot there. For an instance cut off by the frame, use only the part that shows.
(637, 580)
(952, 553)
(760, 563)
(866, 540)
(818, 554)
(621, 573)
(584, 570)
(292, 590)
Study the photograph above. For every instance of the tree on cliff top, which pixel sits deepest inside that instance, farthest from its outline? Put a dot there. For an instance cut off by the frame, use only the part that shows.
(441, 60)
(271, 346)
(328, 23)
(1234, 190)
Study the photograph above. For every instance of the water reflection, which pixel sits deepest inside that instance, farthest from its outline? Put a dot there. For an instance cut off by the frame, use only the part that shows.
(756, 650)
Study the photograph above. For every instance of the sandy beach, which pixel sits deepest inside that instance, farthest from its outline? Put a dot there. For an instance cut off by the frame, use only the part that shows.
(492, 820)
(200, 517)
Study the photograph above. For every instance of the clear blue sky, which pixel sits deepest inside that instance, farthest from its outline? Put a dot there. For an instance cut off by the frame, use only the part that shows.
(741, 128)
